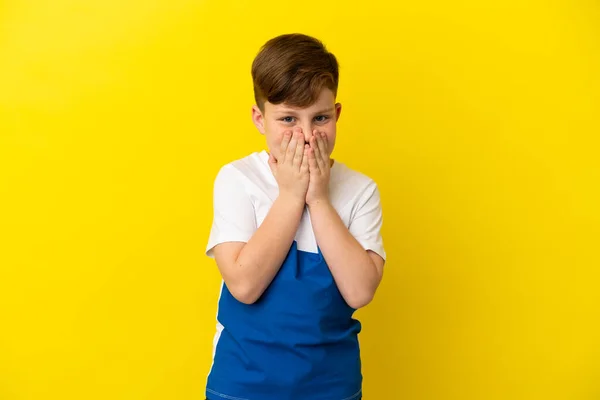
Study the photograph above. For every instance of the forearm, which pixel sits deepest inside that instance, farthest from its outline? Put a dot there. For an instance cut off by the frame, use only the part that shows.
(263, 255)
(352, 268)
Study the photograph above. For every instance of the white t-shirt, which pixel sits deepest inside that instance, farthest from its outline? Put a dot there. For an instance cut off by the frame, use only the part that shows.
(245, 189)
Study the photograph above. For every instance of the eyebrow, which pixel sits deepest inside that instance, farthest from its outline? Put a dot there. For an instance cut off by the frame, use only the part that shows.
(326, 111)
(293, 112)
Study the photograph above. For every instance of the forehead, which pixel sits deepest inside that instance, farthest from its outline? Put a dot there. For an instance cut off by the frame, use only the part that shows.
(324, 102)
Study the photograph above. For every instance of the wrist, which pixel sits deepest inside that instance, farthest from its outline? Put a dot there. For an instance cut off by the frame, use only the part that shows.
(291, 200)
(320, 203)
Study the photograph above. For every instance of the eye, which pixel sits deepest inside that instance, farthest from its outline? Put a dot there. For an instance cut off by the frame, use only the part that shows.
(287, 120)
(321, 118)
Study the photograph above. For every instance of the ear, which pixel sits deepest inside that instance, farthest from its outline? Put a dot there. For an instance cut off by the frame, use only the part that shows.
(258, 119)
(338, 111)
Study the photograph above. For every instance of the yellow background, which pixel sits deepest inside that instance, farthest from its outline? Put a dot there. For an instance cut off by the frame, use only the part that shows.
(478, 119)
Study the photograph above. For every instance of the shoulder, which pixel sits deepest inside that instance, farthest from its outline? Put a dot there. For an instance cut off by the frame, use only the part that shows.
(250, 175)
(250, 168)
(350, 185)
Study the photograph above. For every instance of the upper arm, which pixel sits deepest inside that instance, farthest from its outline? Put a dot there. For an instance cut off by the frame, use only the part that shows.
(234, 223)
(226, 255)
(378, 261)
(365, 225)
(234, 219)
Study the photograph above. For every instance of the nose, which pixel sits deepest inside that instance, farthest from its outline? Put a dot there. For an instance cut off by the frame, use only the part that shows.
(307, 129)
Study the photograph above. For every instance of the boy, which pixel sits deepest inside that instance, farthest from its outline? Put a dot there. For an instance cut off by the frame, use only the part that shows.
(296, 238)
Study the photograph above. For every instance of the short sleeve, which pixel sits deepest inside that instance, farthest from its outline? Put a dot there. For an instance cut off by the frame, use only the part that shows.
(234, 219)
(367, 220)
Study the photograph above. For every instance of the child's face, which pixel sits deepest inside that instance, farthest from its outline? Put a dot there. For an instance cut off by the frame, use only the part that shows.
(279, 118)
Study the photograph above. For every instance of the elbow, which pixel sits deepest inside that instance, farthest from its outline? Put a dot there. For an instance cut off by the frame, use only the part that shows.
(360, 299)
(361, 295)
(243, 293)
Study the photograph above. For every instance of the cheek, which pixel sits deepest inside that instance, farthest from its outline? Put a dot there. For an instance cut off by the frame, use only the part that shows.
(274, 138)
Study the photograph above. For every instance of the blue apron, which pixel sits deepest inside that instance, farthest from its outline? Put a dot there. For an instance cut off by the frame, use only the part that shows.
(297, 342)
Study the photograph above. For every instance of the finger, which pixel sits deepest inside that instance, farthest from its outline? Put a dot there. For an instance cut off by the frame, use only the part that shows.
(317, 151)
(314, 134)
(291, 149)
(323, 146)
(313, 166)
(287, 136)
(299, 149)
(304, 167)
